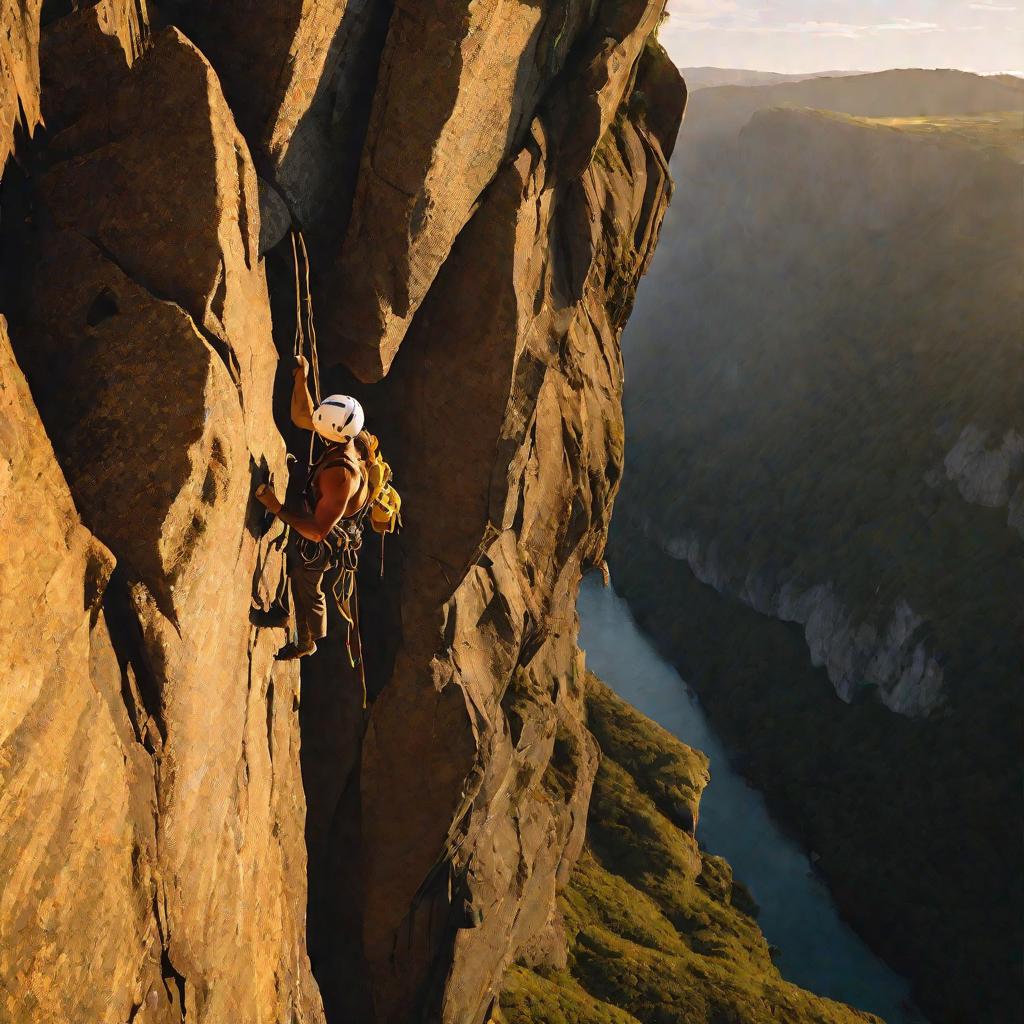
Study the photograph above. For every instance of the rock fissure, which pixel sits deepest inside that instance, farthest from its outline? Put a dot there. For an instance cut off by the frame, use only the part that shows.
(140, 689)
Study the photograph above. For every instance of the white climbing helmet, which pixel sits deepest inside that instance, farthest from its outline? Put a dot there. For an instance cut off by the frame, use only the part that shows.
(338, 418)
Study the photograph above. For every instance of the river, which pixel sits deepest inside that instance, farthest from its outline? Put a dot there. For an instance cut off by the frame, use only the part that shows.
(817, 950)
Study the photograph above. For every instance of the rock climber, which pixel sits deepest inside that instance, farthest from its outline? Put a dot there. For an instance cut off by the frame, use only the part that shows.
(327, 528)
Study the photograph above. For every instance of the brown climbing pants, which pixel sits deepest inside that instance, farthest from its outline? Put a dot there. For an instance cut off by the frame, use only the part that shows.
(307, 563)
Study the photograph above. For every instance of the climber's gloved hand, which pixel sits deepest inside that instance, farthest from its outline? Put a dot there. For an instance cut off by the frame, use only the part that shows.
(264, 494)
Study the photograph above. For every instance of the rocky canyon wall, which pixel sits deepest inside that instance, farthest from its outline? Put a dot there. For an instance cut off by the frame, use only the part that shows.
(481, 186)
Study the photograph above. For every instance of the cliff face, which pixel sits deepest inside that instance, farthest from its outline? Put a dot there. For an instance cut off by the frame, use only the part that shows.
(481, 186)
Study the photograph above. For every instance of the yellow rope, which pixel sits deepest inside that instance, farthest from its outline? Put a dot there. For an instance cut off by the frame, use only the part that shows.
(297, 342)
(307, 329)
(311, 327)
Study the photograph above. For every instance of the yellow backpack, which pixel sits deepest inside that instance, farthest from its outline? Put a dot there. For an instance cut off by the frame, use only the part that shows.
(384, 504)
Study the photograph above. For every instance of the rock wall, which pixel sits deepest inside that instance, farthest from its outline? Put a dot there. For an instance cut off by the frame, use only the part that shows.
(19, 70)
(77, 789)
(494, 555)
(505, 203)
(893, 660)
(143, 326)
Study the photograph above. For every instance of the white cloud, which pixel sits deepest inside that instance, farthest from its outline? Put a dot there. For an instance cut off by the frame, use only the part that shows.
(840, 29)
(905, 25)
(701, 8)
(998, 8)
(731, 17)
(701, 13)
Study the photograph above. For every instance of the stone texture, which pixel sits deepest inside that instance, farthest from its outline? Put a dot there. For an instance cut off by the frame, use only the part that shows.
(464, 839)
(76, 787)
(270, 56)
(299, 75)
(88, 50)
(19, 70)
(457, 87)
(603, 75)
(897, 661)
(162, 751)
(186, 228)
(984, 472)
(145, 332)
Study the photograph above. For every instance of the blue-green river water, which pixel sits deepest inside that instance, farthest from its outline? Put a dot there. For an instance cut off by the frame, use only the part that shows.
(818, 950)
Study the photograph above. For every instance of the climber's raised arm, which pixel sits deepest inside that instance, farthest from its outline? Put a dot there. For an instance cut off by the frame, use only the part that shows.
(302, 403)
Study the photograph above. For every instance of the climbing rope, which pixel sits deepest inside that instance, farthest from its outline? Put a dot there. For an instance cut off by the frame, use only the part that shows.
(305, 325)
(311, 324)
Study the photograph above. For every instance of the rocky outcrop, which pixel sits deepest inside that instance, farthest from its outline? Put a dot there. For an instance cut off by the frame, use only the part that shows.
(88, 49)
(529, 308)
(436, 141)
(171, 758)
(988, 475)
(299, 76)
(892, 661)
(78, 797)
(19, 70)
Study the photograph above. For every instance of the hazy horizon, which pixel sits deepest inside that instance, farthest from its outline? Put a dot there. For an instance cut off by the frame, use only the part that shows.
(795, 37)
(844, 71)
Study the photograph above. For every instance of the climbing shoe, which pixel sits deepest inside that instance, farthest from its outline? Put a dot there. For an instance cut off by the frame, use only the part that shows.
(273, 617)
(292, 651)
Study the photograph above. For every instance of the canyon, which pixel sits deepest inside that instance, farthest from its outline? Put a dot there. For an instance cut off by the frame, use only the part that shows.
(824, 465)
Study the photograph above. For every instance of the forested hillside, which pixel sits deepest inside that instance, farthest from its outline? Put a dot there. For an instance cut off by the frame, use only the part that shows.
(824, 381)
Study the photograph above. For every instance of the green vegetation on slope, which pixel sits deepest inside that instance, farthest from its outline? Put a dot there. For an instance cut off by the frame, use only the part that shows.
(658, 933)
(1001, 130)
(723, 110)
(814, 352)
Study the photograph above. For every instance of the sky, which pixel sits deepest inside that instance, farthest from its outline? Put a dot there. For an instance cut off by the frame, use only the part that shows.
(797, 36)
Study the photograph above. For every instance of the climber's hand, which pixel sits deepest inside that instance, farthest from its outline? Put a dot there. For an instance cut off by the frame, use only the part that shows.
(301, 367)
(266, 497)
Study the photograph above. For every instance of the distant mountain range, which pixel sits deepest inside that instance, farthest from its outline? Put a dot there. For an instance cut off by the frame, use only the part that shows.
(825, 426)
(719, 112)
(708, 78)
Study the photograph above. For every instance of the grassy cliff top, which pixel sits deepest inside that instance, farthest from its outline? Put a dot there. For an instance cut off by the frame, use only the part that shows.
(658, 932)
(1001, 130)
